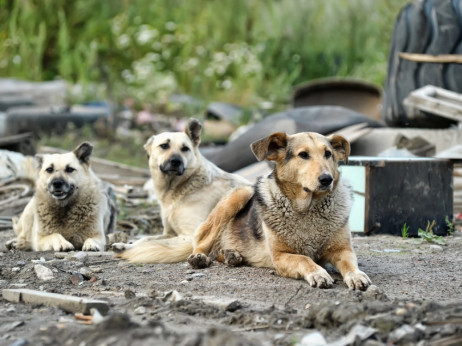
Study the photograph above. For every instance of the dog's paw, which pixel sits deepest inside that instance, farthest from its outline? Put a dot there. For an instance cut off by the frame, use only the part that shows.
(92, 245)
(120, 247)
(319, 278)
(55, 242)
(357, 280)
(199, 260)
(231, 257)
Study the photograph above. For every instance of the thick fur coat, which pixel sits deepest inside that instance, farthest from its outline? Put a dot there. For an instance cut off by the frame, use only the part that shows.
(71, 208)
(187, 187)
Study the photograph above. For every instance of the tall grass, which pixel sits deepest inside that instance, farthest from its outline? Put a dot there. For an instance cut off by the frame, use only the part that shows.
(242, 51)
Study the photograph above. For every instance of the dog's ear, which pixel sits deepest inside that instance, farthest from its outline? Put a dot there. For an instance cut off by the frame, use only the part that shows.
(269, 147)
(148, 145)
(341, 147)
(38, 161)
(83, 152)
(193, 129)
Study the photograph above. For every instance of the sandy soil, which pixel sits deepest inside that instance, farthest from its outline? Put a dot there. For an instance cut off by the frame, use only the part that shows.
(417, 296)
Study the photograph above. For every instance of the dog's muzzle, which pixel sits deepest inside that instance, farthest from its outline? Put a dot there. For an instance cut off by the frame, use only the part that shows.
(60, 189)
(173, 166)
(325, 181)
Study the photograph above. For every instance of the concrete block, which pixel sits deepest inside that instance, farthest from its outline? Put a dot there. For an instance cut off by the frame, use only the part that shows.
(64, 302)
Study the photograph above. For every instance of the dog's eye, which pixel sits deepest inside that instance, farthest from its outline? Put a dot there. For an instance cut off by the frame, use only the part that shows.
(304, 155)
(327, 154)
(69, 170)
(164, 146)
(185, 149)
(49, 170)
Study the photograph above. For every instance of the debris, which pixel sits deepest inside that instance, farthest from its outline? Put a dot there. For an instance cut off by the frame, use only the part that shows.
(77, 278)
(79, 256)
(358, 332)
(405, 333)
(86, 272)
(140, 310)
(10, 326)
(227, 304)
(43, 273)
(64, 302)
(129, 294)
(313, 339)
(172, 296)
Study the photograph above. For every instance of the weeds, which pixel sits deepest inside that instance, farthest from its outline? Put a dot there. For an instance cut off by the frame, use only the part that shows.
(450, 226)
(405, 231)
(429, 236)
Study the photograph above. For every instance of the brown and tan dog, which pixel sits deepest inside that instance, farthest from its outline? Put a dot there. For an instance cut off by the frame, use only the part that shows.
(294, 220)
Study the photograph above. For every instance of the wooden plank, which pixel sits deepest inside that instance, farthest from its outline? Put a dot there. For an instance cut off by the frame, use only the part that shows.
(437, 101)
(440, 59)
(64, 302)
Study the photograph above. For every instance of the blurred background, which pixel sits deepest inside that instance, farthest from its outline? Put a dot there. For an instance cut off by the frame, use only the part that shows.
(157, 62)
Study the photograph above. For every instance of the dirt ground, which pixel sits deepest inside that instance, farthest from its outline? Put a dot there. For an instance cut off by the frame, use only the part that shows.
(416, 299)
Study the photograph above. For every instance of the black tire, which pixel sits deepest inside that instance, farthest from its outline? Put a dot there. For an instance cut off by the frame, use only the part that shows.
(426, 27)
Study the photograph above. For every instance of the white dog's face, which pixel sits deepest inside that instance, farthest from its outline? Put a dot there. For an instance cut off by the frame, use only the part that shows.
(61, 175)
(175, 153)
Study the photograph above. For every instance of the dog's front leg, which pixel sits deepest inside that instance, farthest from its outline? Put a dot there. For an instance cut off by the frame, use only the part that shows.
(210, 230)
(341, 255)
(299, 266)
(344, 259)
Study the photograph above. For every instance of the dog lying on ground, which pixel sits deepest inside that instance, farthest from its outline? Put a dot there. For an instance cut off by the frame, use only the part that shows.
(292, 220)
(187, 187)
(71, 208)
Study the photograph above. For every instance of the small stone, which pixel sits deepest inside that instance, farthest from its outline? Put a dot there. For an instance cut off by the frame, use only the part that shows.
(436, 248)
(313, 339)
(11, 310)
(226, 304)
(20, 342)
(140, 310)
(76, 278)
(375, 293)
(93, 279)
(198, 275)
(95, 269)
(43, 273)
(190, 272)
(189, 278)
(129, 294)
(79, 256)
(184, 282)
(405, 333)
(15, 269)
(86, 272)
(172, 296)
(21, 263)
(401, 311)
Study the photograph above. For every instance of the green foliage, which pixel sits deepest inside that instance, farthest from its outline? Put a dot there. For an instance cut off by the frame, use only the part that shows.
(242, 51)
(405, 231)
(429, 236)
(450, 226)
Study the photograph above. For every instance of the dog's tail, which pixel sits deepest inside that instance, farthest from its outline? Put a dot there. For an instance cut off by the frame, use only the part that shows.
(171, 250)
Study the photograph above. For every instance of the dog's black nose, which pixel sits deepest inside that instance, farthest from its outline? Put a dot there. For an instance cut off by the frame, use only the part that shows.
(57, 184)
(325, 179)
(176, 162)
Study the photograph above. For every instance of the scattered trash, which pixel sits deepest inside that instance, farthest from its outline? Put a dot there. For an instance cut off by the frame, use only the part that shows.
(43, 273)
